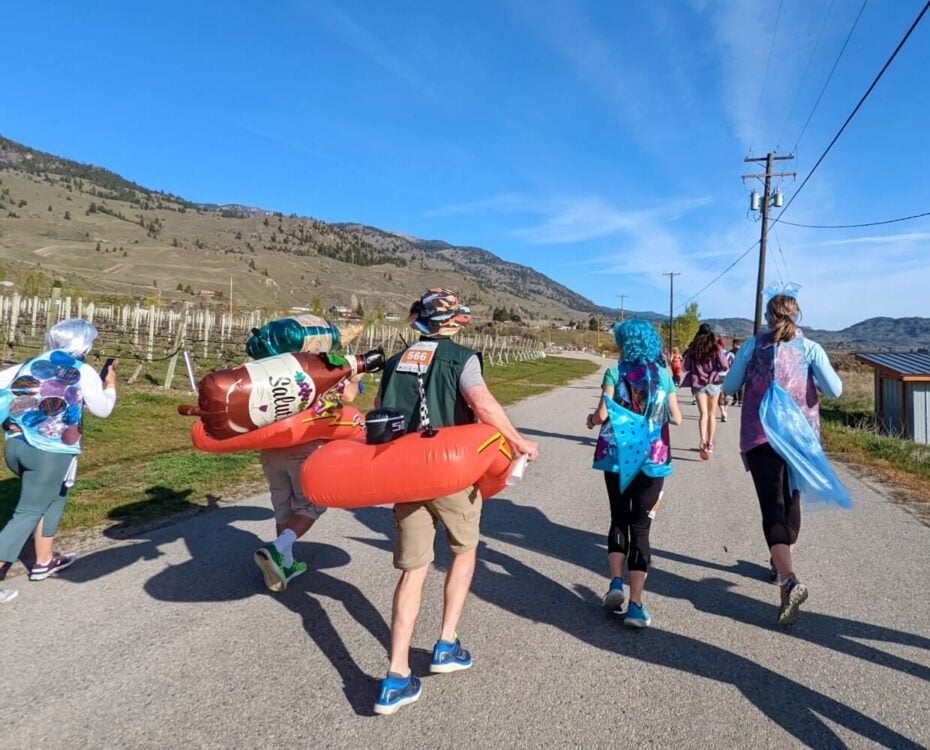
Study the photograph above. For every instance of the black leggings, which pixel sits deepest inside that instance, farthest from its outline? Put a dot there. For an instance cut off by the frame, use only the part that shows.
(781, 509)
(629, 517)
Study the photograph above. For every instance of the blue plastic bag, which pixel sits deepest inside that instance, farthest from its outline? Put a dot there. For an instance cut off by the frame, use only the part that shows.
(792, 437)
(623, 443)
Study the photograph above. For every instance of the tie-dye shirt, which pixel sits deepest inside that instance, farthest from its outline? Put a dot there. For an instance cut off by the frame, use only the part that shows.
(800, 366)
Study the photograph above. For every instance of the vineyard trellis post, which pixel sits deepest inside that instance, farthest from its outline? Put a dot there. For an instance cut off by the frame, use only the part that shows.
(178, 343)
(14, 319)
(151, 343)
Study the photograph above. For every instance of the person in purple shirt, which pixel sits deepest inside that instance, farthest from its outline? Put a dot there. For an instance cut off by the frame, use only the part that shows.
(705, 361)
(780, 352)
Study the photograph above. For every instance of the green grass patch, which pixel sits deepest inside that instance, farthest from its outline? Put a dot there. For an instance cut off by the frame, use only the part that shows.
(139, 465)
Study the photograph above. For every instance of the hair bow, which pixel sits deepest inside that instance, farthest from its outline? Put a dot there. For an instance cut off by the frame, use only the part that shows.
(776, 288)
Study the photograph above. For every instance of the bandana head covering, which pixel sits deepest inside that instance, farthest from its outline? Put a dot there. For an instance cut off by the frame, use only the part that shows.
(438, 312)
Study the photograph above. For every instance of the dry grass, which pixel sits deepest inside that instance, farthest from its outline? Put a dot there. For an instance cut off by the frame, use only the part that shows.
(850, 434)
(211, 249)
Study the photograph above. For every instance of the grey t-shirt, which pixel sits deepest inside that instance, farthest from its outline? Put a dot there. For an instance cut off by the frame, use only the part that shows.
(471, 374)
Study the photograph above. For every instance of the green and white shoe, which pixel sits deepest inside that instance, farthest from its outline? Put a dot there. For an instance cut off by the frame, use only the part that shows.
(271, 563)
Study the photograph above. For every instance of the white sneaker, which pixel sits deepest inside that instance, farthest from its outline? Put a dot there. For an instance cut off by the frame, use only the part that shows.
(8, 595)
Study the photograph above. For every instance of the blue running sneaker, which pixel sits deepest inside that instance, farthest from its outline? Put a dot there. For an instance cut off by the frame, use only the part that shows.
(614, 598)
(449, 657)
(637, 616)
(397, 691)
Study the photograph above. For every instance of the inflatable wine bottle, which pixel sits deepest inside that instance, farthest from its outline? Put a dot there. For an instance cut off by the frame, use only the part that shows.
(298, 333)
(244, 398)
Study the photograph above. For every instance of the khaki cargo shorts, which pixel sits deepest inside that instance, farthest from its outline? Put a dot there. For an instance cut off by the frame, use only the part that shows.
(282, 470)
(415, 527)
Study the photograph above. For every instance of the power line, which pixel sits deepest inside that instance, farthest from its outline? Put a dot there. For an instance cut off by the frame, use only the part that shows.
(784, 262)
(810, 174)
(830, 76)
(765, 78)
(727, 249)
(855, 110)
(807, 68)
(856, 226)
(719, 275)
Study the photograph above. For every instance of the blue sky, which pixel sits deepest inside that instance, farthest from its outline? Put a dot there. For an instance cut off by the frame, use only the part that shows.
(599, 142)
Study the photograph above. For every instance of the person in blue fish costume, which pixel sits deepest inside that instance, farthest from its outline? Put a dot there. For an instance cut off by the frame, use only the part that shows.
(633, 450)
(782, 371)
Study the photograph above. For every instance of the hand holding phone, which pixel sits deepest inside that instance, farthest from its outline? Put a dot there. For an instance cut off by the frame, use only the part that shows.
(108, 373)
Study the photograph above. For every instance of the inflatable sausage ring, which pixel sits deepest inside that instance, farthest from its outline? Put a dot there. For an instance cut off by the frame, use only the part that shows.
(343, 424)
(354, 474)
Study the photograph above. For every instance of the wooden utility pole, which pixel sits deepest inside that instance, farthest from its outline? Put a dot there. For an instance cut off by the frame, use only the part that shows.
(671, 304)
(769, 160)
(622, 297)
(230, 300)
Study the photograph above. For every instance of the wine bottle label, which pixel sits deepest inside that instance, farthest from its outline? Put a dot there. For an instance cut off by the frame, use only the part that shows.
(280, 388)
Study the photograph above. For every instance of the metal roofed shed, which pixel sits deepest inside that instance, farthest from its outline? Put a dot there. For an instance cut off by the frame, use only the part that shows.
(902, 393)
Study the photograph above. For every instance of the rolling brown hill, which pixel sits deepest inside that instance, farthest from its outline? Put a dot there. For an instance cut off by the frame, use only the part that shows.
(89, 229)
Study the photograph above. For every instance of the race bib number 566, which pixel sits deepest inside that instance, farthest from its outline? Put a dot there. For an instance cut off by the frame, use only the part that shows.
(418, 358)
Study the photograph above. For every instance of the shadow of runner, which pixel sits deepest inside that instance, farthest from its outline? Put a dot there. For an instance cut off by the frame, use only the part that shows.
(360, 688)
(148, 542)
(589, 440)
(789, 704)
(218, 544)
(526, 593)
(530, 528)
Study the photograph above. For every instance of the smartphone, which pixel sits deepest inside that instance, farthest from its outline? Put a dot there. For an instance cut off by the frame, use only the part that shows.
(106, 367)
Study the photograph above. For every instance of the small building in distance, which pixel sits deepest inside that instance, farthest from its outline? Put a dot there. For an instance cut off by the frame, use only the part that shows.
(341, 312)
(902, 393)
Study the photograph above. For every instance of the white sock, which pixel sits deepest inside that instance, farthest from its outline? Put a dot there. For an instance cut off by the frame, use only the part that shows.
(284, 544)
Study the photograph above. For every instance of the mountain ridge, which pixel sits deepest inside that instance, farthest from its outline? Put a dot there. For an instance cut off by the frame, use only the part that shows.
(102, 232)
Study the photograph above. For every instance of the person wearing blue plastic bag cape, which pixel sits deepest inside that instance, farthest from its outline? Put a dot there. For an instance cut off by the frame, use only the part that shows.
(780, 433)
(633, 452)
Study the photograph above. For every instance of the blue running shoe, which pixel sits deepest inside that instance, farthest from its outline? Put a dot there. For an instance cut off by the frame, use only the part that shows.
(396, 692)
(614, 598)
(637, 616)
(449, 657)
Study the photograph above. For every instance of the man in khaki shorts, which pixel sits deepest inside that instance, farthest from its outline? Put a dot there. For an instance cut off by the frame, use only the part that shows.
(436, 383)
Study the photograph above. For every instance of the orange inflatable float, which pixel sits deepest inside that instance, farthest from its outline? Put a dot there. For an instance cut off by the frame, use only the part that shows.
(354, 474)
(344, 423)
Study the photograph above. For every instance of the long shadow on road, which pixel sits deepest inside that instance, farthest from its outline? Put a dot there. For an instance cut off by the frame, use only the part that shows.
(526, 593)
(218, 545)
(582, 439)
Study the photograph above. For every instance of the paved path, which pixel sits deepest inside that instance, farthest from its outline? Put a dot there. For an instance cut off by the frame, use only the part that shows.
(171, 641)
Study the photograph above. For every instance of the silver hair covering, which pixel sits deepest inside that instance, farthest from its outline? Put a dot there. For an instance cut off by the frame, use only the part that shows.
(74, 336)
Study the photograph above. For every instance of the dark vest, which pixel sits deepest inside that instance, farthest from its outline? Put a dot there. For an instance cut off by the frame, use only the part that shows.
(447, 407)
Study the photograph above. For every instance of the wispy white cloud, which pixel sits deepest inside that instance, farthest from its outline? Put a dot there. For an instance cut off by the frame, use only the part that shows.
(362, 40)
(583, 219)
(503, 203)
(902, 238)
(745, 33)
